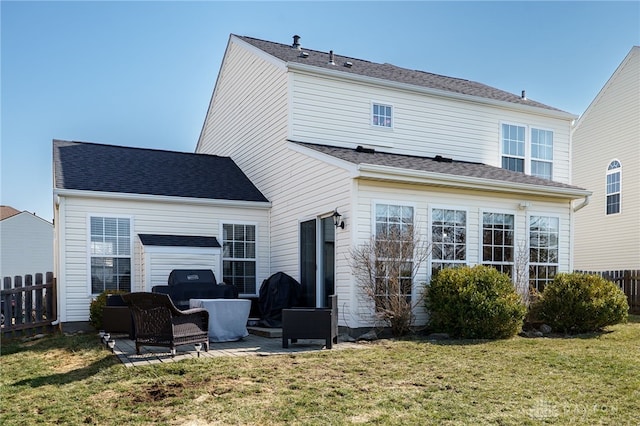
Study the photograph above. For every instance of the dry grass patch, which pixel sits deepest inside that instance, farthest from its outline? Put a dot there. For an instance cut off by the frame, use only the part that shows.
(589, 379)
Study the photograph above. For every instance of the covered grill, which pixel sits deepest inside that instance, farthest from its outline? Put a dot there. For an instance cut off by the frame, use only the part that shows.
(185, 284)
(191, 276)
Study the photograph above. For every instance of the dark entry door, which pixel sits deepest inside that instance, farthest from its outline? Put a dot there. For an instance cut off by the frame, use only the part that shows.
(317, 248)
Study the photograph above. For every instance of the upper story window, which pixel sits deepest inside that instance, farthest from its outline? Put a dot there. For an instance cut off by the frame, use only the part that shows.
(110, 253)
(541, 153)
(614, 172)
(533, 156)
(513, 147)
(381, 115)
(239, 257)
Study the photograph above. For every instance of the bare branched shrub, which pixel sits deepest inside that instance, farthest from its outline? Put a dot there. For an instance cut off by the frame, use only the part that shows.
(521, 271)
(385, 268)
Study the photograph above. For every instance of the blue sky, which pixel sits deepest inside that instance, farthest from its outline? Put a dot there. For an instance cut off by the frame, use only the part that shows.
(142, 73)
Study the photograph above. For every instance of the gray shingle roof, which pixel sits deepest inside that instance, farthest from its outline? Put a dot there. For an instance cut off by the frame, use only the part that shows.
(389, 72)
(178, 240)
(427, 164)
(109, 168)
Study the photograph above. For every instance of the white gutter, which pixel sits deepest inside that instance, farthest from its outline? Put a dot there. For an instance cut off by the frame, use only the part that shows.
(296, 66)
(162, 198)
(465, 182)
(583, 204)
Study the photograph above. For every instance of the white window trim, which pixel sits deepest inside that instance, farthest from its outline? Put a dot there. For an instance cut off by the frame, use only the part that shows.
(374, 203)
(88, 247)
(481, 213)
(606, 194)
(528, 129)
(222, 258)
(528, 234)
(553, 149)
(393, 115)
(430, 208)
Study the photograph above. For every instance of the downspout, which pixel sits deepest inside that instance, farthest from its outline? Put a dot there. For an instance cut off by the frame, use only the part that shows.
(56, 255)
(583, 204)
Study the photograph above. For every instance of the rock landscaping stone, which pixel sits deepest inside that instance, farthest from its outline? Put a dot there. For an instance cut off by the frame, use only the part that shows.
(545, 329)
(369, 336)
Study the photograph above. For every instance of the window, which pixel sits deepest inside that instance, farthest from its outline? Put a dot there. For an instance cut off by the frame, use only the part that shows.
(535, 159)
(541, 153)
(394, 252)
(513, 147)
(543, 250)
(449, 238)
(381, 115)
(497, 241)
(613, 187)
(239, 257)
(110, 252)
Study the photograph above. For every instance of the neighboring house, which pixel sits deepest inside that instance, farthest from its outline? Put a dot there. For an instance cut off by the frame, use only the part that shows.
(26, 243)
(125, 217)
(606, 159)
(483, 174)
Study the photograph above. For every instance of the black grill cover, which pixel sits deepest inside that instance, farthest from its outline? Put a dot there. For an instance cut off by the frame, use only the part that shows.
(182, 276)
(277, 292)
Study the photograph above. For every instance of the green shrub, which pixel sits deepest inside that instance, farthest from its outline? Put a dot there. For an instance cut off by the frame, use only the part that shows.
(97, 304)
(578, 303)
(474, 302)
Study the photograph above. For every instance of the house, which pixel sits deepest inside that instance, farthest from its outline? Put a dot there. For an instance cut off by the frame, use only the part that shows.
(125, 217)
(606, 159)
(302, 157)
(26, 243)
(484, 175)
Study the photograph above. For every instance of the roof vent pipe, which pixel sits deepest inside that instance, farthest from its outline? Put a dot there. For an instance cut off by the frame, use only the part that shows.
(296, 42)
(331, 62)
(524, 95)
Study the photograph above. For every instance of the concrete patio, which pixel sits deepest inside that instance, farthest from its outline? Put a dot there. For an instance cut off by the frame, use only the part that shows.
(252, 345)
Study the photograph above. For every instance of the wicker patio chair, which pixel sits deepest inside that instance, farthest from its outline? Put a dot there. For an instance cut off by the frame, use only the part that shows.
(158, 322)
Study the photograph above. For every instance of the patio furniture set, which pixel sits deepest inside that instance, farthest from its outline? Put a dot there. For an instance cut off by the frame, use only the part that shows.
(193, 310)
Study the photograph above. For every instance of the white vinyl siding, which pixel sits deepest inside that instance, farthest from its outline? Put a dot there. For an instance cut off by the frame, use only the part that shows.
(147, 217)
(330, 111)
(157, 262)
(610, 129)
(475, 204)
(258, 106)
(249, 122)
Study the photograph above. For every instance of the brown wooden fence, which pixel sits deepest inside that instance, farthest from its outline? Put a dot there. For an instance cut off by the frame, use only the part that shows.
(28, 305)
(629, 283)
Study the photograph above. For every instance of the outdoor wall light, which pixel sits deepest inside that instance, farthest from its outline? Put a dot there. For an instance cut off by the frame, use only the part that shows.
(336, 219)
(524, 205)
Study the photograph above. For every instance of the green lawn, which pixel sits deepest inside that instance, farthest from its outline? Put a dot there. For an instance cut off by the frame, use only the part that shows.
(585, 380)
